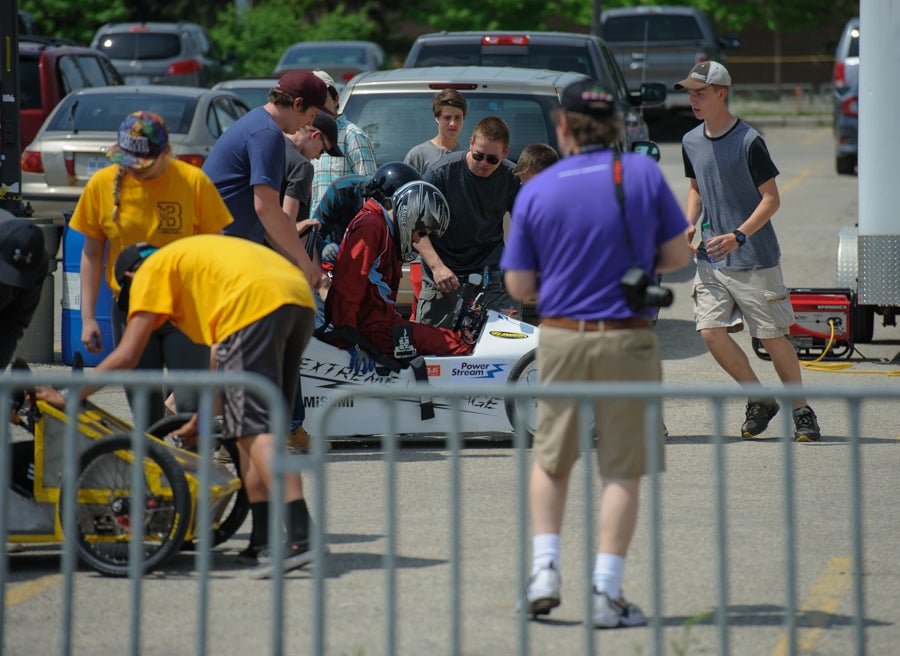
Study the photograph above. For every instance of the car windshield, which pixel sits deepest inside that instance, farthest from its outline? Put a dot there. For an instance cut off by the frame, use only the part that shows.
(552, 57)
(105, 112)
(652, 27)
(253, 96)
(140, 45)
(527, 116)
(306, 56)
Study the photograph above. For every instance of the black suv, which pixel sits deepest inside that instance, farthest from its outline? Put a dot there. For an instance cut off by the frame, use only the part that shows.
(162, 53)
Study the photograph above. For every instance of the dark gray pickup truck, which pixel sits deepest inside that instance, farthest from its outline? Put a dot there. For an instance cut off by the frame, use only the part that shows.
(661, 44)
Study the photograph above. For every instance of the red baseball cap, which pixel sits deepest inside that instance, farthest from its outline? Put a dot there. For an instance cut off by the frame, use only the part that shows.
(304, 85)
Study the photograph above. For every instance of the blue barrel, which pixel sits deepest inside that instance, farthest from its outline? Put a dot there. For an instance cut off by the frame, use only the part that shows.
(73, 243)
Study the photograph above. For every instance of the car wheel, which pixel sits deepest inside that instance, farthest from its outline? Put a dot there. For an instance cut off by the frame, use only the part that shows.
(845, 165)
(524, 374)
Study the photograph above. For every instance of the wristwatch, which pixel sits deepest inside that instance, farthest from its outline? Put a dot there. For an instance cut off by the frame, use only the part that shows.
(741, 237)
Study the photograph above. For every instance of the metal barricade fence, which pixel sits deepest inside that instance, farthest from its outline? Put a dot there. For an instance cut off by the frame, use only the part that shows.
(652, 394)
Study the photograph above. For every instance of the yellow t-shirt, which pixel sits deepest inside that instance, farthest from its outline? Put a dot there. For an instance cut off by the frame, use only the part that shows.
(211, 286)
(182, 201)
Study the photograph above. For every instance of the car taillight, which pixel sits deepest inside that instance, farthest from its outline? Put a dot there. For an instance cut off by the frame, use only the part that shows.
(184, 67)
(31, 162)
(138, 28)
(69, 159)
(838, 75)
(850, 107)
(504, 40)
(196, 160)
(348, 76)
(451, 85)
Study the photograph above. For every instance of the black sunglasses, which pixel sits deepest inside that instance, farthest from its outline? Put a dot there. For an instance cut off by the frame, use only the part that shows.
(491, 159)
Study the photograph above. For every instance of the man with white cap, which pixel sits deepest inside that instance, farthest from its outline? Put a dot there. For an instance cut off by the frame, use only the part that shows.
(359, 153)
(733, 188)
(23, 267)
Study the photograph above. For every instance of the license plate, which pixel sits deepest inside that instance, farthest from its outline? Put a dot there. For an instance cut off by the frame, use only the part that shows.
(137, 79)
(94, 164)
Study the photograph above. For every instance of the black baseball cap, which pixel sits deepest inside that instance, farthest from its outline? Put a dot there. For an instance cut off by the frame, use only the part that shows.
(588, 97)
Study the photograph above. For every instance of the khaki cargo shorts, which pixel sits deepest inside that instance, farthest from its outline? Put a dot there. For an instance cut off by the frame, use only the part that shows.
(616, 355)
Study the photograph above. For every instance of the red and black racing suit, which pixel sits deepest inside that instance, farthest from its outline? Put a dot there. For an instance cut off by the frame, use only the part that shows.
(364, 288)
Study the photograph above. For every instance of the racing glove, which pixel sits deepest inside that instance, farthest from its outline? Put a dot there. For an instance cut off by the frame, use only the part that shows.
(361, 362)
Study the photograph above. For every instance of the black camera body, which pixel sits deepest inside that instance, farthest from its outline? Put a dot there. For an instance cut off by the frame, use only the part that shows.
(640, 294)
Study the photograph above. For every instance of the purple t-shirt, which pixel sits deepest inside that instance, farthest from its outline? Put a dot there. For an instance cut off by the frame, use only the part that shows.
(249, 153)
(566, 227)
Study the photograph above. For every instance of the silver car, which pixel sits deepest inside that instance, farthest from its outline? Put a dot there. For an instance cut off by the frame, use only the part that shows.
(394, 107)
(340, 59)
(254, 91)
(162, 53)
(72, 143)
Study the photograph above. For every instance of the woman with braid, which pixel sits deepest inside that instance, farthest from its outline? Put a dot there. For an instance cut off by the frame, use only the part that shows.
(145, 196)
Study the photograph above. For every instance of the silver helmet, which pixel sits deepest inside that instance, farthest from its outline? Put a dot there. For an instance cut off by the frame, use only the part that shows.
(418, 205)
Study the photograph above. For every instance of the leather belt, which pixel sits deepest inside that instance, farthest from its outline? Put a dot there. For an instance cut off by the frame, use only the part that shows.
(594, 326)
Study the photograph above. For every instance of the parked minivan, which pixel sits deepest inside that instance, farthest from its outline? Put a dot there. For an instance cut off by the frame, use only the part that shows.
(162, 53)
(394, 107)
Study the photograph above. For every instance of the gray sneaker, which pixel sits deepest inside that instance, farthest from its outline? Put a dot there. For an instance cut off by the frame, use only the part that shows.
(296, 556)
(759, 414)
(612, 613)
(806, 428)
(542, 591)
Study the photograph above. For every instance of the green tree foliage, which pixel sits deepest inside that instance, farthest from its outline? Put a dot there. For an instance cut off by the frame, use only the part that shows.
(259, 35)
(74, 20)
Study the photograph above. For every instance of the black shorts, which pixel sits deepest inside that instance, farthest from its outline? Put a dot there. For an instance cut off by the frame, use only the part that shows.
(271, 347)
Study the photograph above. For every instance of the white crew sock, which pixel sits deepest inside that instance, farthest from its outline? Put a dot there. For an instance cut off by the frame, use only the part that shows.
(609, 569)
(545, 550)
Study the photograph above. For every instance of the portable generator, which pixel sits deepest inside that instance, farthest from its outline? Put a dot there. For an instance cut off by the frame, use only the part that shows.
(823, 319)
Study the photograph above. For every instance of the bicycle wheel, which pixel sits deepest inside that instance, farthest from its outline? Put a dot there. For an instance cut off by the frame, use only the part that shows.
(524, 374)
(239, 506)
(102, 506)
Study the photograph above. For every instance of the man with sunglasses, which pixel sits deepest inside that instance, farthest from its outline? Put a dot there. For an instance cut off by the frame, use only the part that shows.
(480, 187)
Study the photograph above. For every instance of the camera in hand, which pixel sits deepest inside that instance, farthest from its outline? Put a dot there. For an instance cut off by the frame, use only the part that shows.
(640, 294)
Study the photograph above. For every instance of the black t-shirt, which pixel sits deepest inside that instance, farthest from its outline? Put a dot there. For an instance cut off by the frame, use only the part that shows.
(474, 238)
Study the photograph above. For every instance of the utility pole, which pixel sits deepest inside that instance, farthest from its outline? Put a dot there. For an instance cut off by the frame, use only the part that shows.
(10, 133)
(595, 23)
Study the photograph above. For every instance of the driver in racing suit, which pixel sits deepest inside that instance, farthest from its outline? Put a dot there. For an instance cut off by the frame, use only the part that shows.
(368, 269)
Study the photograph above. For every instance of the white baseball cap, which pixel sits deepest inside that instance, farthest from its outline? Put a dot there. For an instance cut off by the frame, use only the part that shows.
(704, 74)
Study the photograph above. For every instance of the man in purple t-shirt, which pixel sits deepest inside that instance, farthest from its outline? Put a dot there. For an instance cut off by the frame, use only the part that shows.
(567, 243)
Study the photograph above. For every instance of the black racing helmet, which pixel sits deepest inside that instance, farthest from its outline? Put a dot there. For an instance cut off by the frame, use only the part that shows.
(388, 179)
(418, 205)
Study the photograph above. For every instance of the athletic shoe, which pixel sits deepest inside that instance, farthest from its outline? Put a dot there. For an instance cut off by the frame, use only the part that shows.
(806, 428)
(296, 556)
(298, 439)
(612, 613)
(250, 554)
(542, 592)
(759, 414)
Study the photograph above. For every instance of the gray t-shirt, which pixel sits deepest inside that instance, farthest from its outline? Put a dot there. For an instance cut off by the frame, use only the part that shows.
(422, 156)
(729, 170)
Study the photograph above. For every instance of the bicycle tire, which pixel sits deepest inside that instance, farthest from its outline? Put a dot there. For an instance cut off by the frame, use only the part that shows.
(102, 517)
(237, 510)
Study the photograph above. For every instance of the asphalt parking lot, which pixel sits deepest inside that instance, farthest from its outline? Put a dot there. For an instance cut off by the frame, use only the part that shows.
(815, 204)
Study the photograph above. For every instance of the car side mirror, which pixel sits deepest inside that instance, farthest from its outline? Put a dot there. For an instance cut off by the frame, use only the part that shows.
(646, 148)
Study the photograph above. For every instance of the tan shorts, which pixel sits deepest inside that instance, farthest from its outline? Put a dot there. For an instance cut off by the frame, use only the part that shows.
(758, 298)
(617, 355)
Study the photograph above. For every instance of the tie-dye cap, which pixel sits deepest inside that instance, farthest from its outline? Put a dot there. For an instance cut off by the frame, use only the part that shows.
(143, 136)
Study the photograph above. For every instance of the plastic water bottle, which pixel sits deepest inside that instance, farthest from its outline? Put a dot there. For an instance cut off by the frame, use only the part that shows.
(706, 233)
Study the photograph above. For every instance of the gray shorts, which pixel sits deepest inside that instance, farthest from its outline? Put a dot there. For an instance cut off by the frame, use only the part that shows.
(617, 355)
(271, 347)
(759, 298)
(437, 309)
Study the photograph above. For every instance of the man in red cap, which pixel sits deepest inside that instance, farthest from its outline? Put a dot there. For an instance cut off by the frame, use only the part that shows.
(249, 177)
